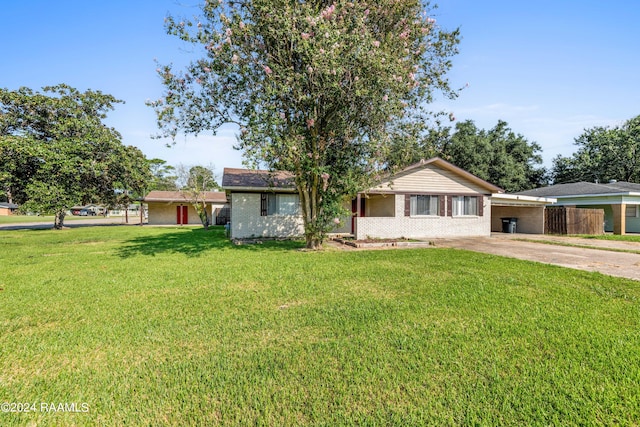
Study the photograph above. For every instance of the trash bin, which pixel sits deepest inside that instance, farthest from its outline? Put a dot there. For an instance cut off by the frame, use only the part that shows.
(509, 225)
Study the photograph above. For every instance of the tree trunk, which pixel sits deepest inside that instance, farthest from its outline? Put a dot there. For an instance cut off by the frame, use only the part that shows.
(309, 203)
(59, 220)
(201, 209)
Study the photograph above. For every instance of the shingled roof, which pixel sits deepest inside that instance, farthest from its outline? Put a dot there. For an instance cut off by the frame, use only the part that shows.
(583, 189)
(177, 196)
(247, 179)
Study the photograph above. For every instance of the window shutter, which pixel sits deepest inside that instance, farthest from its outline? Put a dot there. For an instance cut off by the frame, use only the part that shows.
(441, 200)
(449, 205)
(263, 204)
(480, 207)
(407, 205)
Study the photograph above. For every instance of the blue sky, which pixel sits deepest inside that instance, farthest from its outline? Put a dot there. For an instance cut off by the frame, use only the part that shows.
(548, 68)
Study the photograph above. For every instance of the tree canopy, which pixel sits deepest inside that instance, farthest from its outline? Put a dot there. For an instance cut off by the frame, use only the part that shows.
(163, 176)
(498, 155)
(55, 151)
(318, 88)
(603, 154)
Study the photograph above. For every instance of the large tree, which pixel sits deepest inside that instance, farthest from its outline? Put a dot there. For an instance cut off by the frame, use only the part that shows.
(318, 88)
(603, 154)
(163, 176)
(497, 155)
(55, 151)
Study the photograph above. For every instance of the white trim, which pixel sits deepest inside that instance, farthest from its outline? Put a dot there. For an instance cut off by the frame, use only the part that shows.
(576, 196)
(517, 199)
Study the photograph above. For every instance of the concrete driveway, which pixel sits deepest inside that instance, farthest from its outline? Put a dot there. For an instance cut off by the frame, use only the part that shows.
(601, 255)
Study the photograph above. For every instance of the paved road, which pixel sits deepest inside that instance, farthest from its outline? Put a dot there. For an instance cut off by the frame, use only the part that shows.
(601, 258)
(114, 220)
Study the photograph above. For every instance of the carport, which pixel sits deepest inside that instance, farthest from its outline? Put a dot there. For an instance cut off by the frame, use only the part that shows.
(527, 212)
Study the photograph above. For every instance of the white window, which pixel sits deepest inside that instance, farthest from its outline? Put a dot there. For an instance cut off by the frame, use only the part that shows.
(425, 205)
(464, 205)
(283, 204)
(632, 211)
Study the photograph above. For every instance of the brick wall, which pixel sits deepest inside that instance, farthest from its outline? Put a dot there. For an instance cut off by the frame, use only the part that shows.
(421, 227)
(246, 220)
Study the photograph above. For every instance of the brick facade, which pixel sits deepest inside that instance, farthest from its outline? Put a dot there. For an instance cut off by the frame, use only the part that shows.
(246, 221)
(421, 227)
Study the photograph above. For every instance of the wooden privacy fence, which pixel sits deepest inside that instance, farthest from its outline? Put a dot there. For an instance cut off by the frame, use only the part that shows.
(564, 220)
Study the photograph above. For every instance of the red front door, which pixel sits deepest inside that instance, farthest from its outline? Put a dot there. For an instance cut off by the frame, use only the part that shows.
(182, 215)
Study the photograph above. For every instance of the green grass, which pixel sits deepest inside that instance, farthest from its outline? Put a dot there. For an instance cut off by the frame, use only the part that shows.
(635, 237)
(175, 326)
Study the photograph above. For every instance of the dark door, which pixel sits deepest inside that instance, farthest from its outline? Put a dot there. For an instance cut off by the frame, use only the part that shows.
(182, 215)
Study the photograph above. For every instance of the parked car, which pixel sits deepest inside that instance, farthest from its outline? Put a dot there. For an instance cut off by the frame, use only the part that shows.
(86, 212)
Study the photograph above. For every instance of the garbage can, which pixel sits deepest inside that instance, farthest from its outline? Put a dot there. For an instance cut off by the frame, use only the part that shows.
(509, 225)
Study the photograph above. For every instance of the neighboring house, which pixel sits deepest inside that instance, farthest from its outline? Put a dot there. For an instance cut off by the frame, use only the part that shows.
(173, 207)
(432, 198)
(7, 208)
(620, 201)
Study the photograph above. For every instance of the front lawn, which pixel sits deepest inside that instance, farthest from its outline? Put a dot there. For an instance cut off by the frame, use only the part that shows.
(175, 326)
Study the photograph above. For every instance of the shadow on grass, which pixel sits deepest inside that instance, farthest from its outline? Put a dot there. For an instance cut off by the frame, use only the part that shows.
(195, 242)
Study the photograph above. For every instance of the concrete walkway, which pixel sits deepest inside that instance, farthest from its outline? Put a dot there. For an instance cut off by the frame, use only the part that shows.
(601, 255)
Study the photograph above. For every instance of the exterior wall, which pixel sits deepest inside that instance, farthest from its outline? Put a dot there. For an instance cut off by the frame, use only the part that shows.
(163, 213)
(530, 219)
(633, 223)
(246, 221)
(345, 221)
(433, 179)
(5, 212)
(424, 227)
(380, 206)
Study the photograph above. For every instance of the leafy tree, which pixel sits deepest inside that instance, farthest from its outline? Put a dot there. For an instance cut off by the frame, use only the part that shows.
(163, 176)
(56, 152)
(604, 154)
(498, 155)
(194, 183)
(318, 88)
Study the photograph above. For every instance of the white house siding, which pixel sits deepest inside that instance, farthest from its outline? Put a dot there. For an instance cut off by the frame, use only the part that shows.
(425, 227)
(246, 221)
(439, 181)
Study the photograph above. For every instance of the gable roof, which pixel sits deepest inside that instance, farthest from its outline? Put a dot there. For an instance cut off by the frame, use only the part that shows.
(246, 179)
(441, 163)
(585, 189)
(8, 205)
(177, 196)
